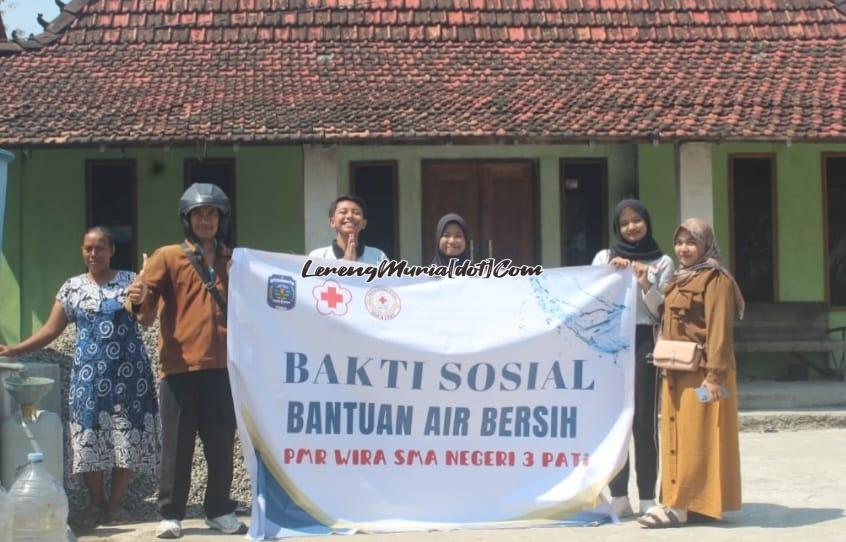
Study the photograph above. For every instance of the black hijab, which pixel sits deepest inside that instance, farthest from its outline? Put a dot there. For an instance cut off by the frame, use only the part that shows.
(446, 220)
(646, 248)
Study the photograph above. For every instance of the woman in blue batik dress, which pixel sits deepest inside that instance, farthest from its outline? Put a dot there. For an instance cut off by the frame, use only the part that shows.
(113, 422)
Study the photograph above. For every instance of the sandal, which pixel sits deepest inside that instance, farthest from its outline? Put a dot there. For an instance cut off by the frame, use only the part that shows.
(662, 517)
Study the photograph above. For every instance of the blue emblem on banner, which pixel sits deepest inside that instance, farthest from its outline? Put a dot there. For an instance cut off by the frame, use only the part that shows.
(281, 292)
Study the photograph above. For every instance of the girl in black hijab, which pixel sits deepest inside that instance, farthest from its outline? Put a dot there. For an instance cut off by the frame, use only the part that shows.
(636, 242)
(635, 248)
(451, 240)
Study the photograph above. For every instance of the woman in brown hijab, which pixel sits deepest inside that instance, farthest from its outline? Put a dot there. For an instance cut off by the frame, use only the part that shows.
(700, 454)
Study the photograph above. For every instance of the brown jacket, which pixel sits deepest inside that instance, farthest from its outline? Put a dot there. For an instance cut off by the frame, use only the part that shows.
(193, 326)
(700, 452)
(702, 310)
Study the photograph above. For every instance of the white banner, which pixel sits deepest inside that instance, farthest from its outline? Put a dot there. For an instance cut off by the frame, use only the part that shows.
(419, 403)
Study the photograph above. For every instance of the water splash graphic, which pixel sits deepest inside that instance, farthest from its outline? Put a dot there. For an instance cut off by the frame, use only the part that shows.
(597, 326)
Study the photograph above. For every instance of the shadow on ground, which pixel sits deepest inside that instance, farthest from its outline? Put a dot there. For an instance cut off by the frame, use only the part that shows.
(204, 531)
(776, 516)
(102, 532)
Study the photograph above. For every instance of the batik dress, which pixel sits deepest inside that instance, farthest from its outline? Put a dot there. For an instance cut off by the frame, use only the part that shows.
(112, 399)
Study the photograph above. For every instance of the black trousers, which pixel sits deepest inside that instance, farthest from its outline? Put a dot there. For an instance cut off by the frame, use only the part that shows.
(191, 403)
(644, 423)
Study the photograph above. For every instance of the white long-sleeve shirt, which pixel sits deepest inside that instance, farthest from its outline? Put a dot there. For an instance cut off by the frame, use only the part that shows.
(660, 271)
(371, 255)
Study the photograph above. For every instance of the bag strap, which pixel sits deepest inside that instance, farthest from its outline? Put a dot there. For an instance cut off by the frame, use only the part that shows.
(197, 261)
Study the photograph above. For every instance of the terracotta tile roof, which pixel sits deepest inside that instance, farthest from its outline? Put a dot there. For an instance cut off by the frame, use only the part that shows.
(215, 21)
(147, 71)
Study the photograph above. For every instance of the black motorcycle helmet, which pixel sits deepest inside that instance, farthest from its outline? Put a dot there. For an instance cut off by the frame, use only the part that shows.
(197, 195)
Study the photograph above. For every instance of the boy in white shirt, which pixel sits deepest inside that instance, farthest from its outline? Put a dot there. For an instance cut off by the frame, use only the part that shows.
(348, 217)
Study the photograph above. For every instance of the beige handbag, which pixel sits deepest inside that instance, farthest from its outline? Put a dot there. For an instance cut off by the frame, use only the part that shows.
(677, 355)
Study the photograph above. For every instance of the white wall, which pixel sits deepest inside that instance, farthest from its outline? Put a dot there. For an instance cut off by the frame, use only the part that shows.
(696, 181)
(321, 187)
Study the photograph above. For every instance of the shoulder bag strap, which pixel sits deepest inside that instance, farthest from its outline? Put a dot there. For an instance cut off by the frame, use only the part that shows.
(197, 261)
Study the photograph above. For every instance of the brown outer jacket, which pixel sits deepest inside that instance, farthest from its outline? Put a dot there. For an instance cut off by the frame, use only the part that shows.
(700, 452)
(193, 326)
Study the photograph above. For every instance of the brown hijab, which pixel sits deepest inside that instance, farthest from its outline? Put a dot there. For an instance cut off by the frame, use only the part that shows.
(703, 234)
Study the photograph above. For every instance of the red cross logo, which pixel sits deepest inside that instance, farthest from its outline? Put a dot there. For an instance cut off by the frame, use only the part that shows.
(331, 298)
(382, 303)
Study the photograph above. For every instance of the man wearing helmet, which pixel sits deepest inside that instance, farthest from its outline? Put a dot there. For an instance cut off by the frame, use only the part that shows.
(186, 285)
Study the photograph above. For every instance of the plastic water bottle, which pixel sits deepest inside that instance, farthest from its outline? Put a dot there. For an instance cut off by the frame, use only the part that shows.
(39, 503)
(5, 516)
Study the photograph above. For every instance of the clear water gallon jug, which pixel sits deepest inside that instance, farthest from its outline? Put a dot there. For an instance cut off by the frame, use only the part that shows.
(39, 503)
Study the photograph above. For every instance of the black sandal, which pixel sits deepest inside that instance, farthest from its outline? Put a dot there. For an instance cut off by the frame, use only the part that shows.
(651, 520)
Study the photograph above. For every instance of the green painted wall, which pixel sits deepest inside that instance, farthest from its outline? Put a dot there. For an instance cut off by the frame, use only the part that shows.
(10, 309)
(801, 272)
(52, 220)
(47, 212)
(800, 211)
(658, 190)
(621, 180)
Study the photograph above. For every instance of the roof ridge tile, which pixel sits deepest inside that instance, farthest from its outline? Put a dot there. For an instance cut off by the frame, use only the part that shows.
(617, 21)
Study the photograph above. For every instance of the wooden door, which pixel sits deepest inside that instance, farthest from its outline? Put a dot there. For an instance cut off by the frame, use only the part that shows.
(449, 187)
(509, 225)
(497, 199)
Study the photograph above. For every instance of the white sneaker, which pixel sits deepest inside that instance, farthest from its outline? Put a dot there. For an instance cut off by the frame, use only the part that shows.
(227, 524)
(169, 528)
(621, 507)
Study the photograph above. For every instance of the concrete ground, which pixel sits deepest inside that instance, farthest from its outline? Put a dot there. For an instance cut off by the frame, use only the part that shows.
(794, 488)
